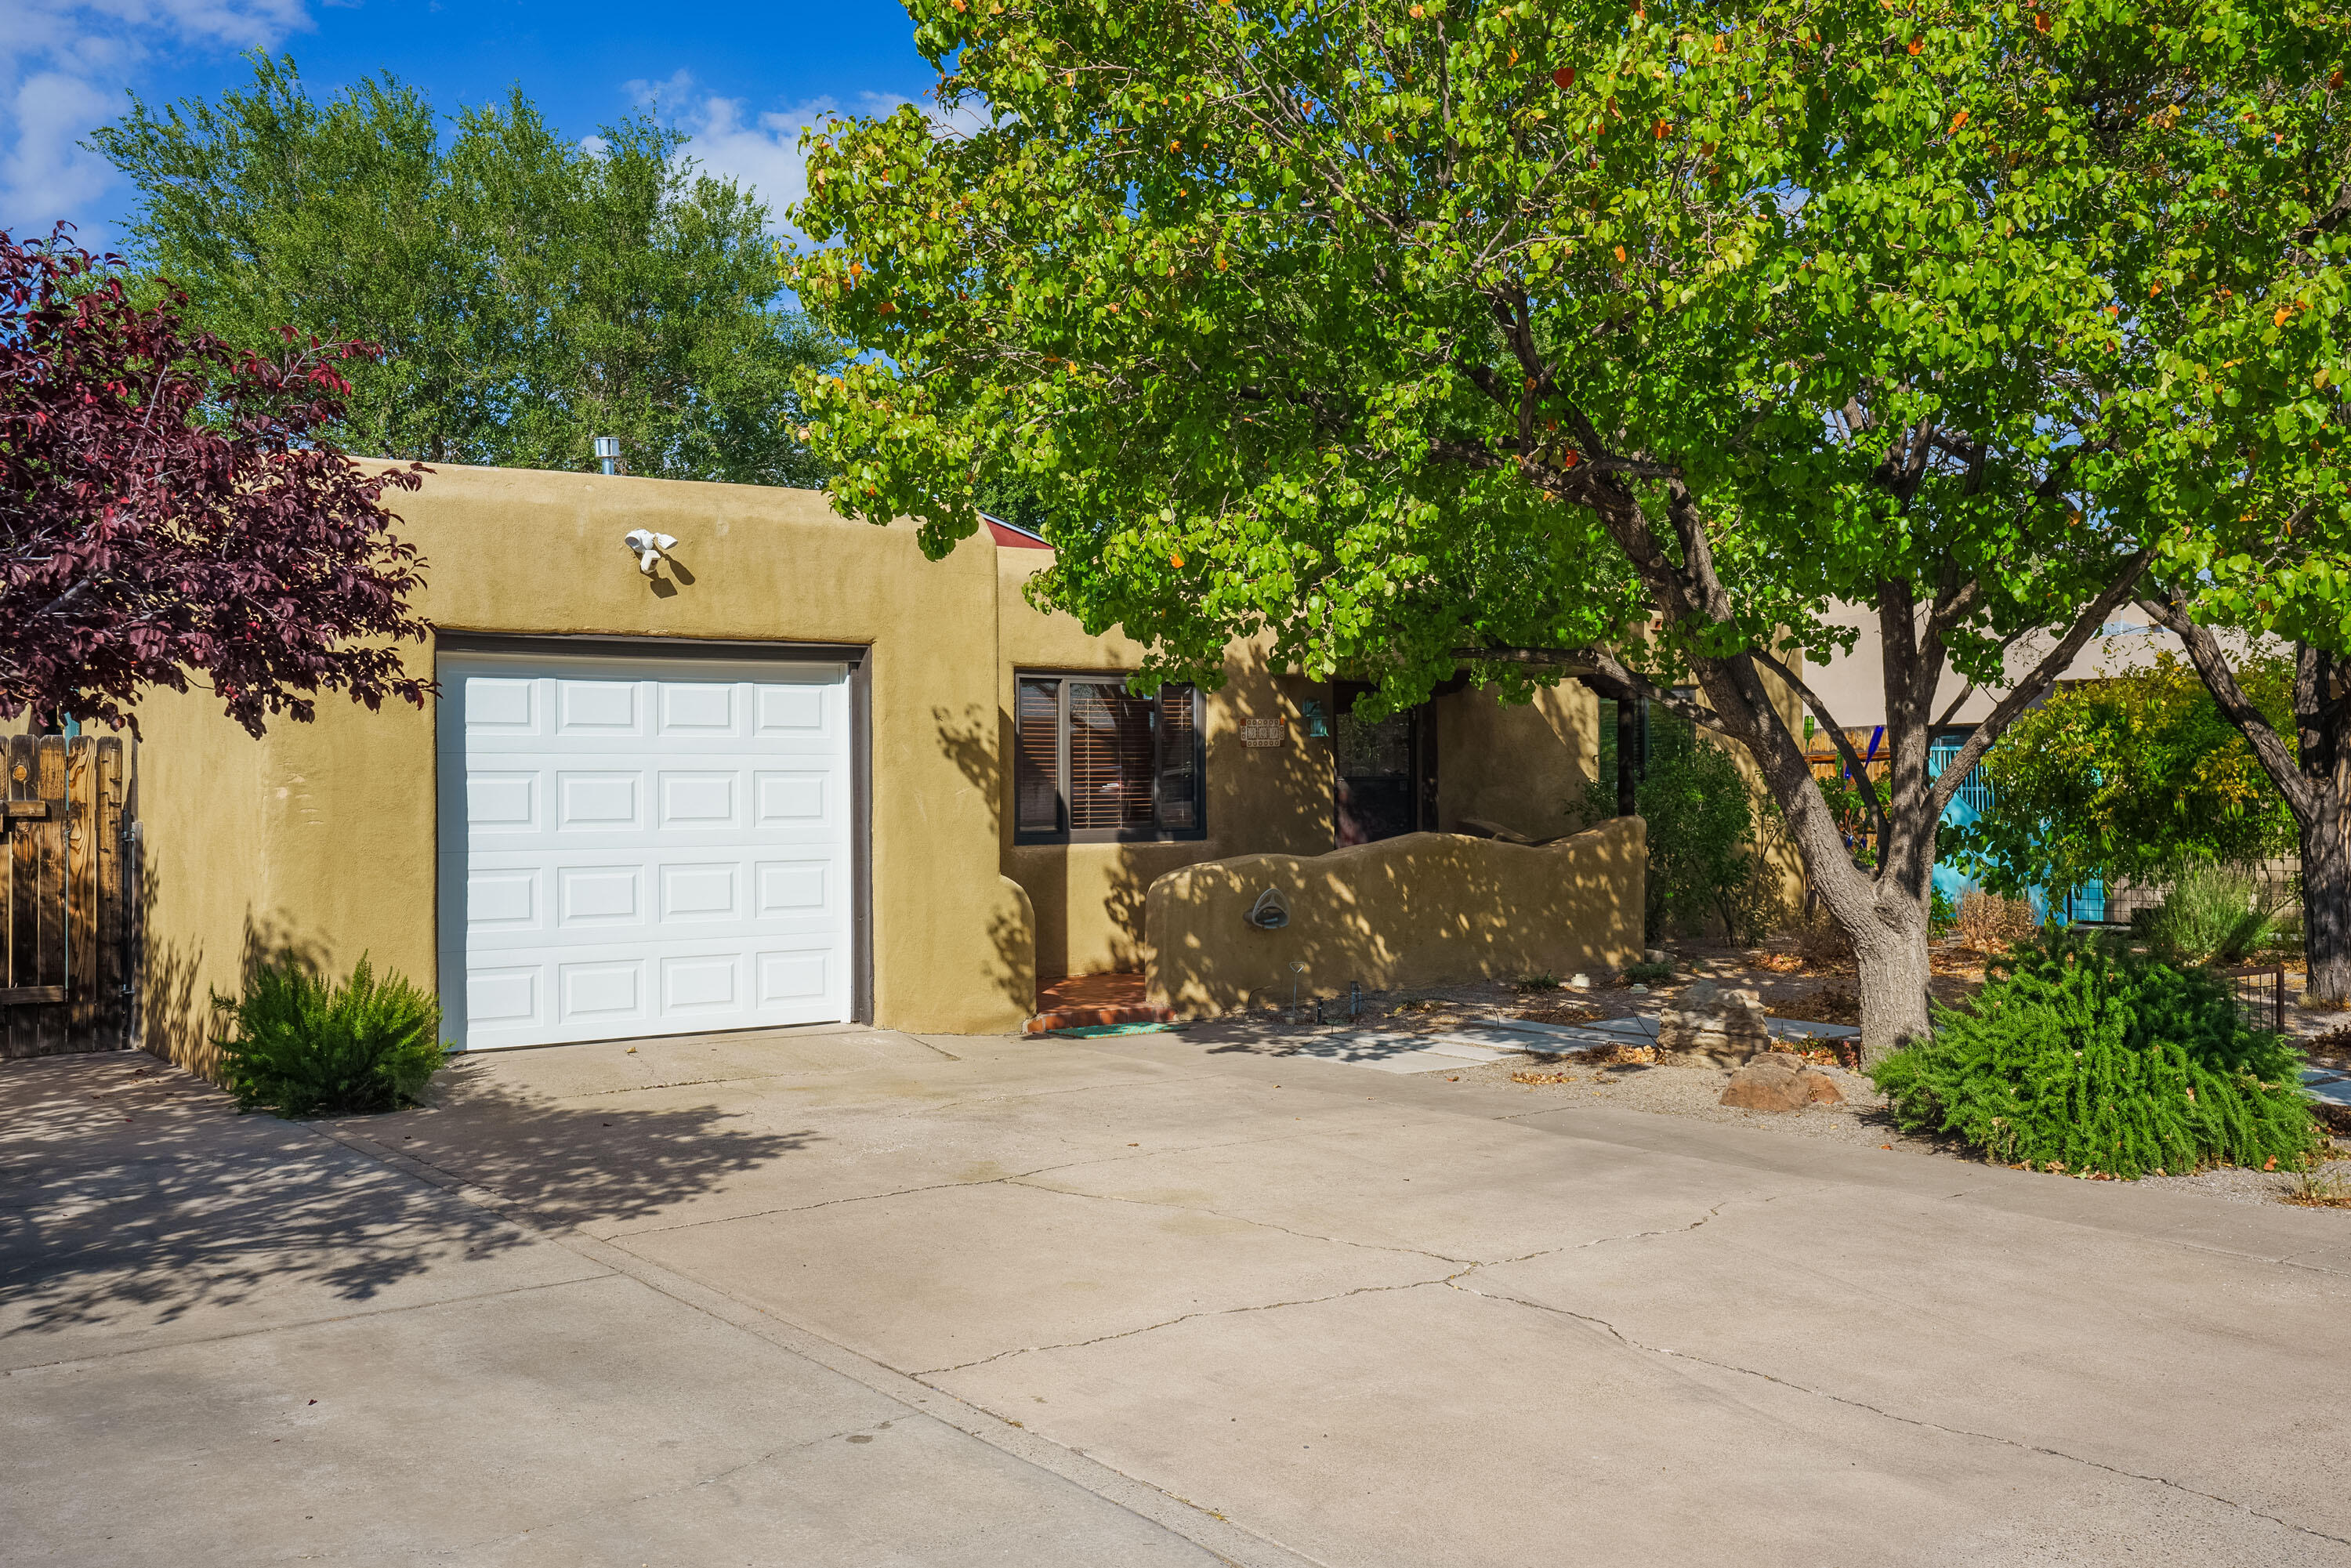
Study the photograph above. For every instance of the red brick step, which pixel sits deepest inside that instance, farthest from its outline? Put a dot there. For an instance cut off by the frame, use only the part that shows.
(1092, 1001)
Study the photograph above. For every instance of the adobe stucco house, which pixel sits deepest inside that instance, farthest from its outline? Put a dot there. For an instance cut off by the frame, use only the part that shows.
(799, 774)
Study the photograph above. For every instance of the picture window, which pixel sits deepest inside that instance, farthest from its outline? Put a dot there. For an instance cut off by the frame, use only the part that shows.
(1094, 762)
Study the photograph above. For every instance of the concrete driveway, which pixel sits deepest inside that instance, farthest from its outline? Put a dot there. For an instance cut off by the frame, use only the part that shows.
(856, 1297)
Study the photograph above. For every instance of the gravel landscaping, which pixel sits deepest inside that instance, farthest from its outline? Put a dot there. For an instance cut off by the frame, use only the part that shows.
(1790, 986)
(1672, 1089)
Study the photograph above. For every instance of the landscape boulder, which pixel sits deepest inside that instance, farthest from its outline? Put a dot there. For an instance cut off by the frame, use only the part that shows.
(1780, 1083)
(1714, 1026)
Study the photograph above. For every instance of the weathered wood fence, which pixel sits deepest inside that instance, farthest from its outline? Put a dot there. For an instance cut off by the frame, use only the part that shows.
(65, 934)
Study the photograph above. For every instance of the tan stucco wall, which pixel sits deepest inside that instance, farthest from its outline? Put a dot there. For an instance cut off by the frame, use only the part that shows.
(1513, 763)
(1410, 911)
(1518, 764)
(321, 837)
(203, 871)
(1089, 897)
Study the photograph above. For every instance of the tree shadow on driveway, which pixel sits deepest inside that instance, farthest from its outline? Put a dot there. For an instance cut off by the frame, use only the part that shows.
(136, 1195)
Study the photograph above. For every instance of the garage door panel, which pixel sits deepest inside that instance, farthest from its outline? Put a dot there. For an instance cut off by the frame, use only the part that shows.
(711, 891)
(701, 983)
(505, 999)
(796, 712)
(794, 889)
(507, 706)
(798, 799)
(600, 990)
(505, 802)
(642, 848)
(700, 800)
(793, 978)
(602, 802)
(692, 710)
(599, 896)
(602, 710)
(503, 900)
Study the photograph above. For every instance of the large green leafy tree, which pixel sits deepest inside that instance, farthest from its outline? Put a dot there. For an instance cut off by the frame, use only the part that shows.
(2129, 778)
(1443, 335)
(530, 292)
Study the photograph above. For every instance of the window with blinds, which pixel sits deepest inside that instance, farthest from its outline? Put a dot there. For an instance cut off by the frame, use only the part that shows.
(1093, 760)
(1036, 757)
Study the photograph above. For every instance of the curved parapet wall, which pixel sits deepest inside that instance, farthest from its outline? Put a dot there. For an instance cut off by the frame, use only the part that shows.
(1424, 909)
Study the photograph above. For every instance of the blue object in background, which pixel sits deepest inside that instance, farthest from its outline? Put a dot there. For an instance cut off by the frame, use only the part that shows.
(1969, 803)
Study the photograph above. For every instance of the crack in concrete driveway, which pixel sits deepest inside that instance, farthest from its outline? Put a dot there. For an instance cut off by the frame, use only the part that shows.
(1879, 1410)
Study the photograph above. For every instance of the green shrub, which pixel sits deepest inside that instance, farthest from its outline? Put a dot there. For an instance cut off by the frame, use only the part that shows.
(1648, 973)
(302, 1047)
(2213, 915)
(2080, 1057)
(1942, 915)
(1704, 836)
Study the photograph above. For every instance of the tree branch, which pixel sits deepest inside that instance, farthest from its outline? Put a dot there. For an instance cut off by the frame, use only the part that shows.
(2170, 611)
(2029, 691)
(1572, 661)
(1837, 737)
(1611, 668)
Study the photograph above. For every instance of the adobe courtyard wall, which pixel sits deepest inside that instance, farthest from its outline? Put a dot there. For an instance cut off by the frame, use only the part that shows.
(1418, 910)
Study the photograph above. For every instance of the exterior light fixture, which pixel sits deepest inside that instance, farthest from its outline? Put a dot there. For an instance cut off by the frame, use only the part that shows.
(608, 453)
(648, 545)
(1317, 724)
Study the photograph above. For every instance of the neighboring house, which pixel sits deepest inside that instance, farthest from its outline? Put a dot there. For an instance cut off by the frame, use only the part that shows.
(798, 774)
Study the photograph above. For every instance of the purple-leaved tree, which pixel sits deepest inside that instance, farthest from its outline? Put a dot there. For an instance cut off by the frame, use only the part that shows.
(169, 510)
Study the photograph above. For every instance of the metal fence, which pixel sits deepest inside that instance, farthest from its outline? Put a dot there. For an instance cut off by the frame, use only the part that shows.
(2260, 995)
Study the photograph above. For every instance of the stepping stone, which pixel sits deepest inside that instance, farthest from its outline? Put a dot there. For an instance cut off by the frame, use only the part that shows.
(1419, 1061)
(1389, 1052)
(1613, 1032)
(1575, 1045)
(2328, 1084)
(1642, 1030)
(1468, 1048)
(1640, 1027)
(1799, 1029)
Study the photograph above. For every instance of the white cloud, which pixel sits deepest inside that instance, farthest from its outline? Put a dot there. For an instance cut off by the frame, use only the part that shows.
(761, 152)
(64, 65)
(44, 174)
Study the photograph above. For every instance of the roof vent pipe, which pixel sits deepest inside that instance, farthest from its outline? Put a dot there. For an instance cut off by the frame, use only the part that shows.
(608, 453)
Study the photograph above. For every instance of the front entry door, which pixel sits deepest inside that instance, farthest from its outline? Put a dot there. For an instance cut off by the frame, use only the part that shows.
(1375, 787)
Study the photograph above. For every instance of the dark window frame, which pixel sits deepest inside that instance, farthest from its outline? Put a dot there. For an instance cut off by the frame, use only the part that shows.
(1062, 833)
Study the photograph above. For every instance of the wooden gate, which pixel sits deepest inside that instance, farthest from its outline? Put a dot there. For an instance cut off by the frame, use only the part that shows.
(66, 933)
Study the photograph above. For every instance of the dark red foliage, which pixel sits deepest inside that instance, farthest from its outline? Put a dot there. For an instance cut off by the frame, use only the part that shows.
(167, 508)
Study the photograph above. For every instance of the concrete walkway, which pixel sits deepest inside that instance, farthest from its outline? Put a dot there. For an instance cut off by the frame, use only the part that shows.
(1444, 1050)
(855, 1297)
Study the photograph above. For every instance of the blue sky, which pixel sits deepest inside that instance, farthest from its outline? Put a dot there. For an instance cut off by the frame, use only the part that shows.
(742, 79)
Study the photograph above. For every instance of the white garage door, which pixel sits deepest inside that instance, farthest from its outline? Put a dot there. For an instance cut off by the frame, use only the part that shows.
(643, 847)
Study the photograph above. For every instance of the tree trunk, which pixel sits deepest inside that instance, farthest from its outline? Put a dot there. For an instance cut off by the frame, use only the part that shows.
(2314, 778)
(1894, 975)
(2326, 899)
(1883, 912)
